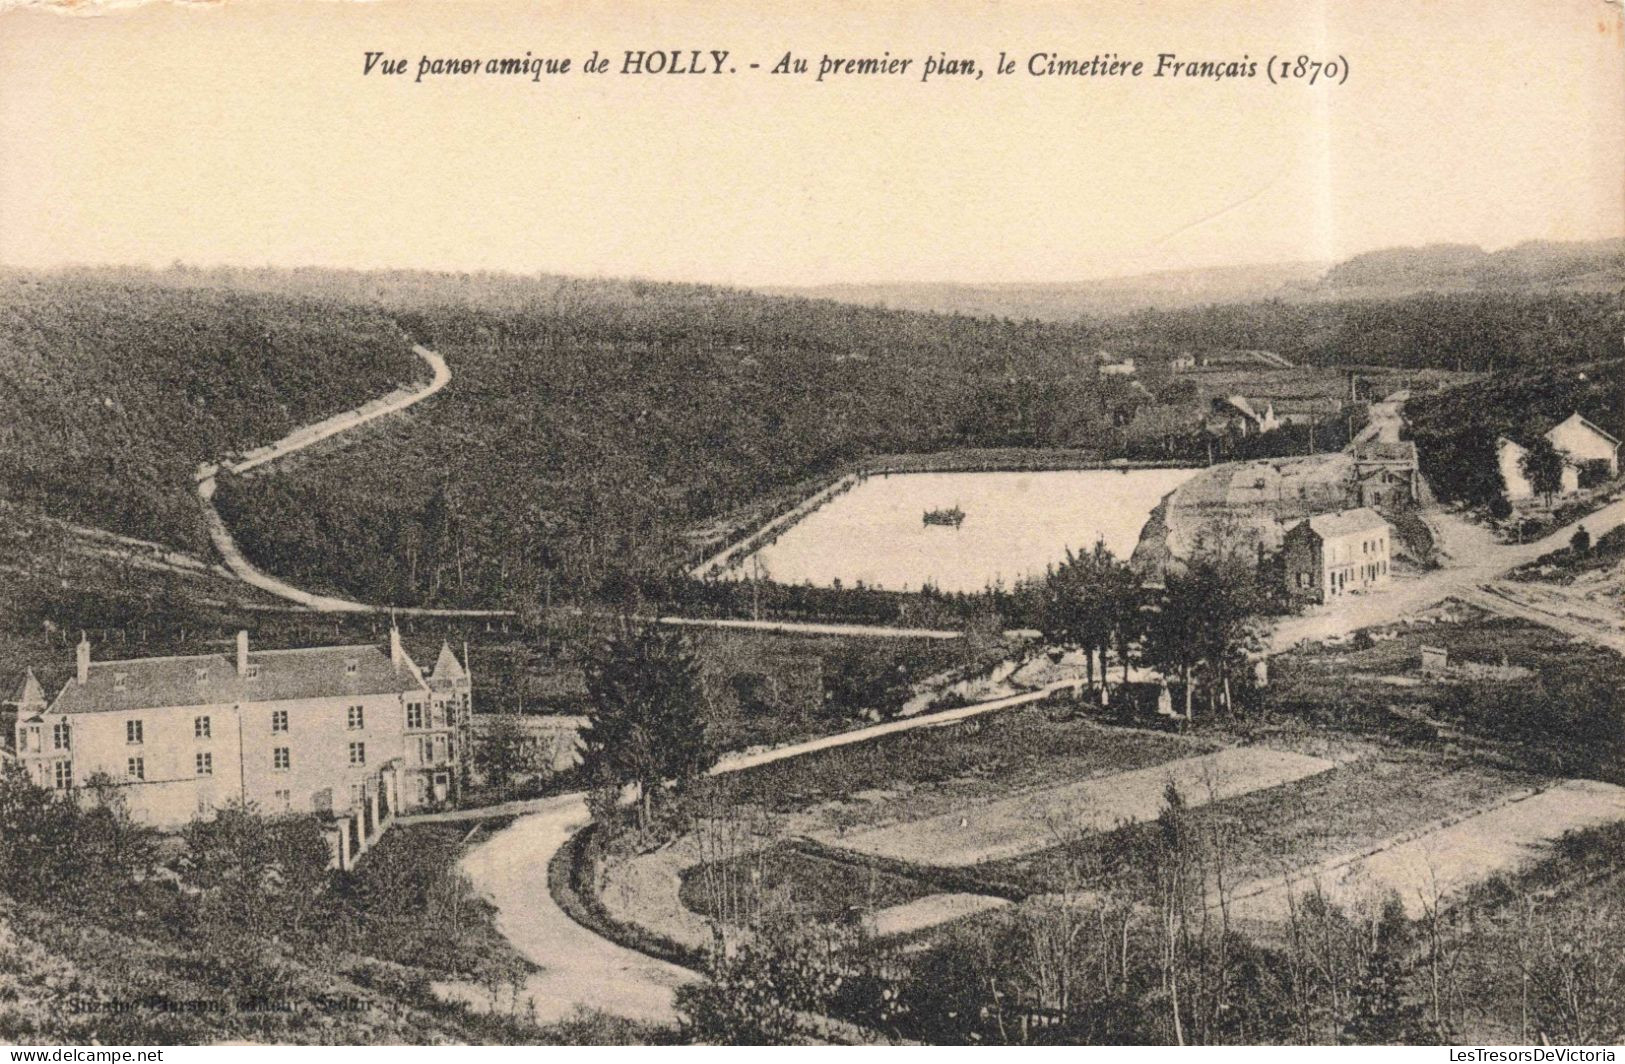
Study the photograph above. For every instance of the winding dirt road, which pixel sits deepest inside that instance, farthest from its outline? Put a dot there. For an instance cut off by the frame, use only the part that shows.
(580, 969)
(292, 443)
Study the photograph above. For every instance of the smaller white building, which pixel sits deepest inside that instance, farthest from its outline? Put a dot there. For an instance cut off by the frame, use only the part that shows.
(1576, 439)
(1585, 442)
(1331, 555)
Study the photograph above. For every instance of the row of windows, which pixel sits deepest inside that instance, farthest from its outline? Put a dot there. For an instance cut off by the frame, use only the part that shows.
(355, 719)
(281, 761)
(202, 727)
(202, 765)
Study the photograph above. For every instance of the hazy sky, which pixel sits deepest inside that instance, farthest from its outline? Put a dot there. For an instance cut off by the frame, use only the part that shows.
(246, 133)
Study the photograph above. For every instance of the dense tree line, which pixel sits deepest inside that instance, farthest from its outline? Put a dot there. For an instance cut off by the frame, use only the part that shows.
(114, 388)
(1456, 429)
(590, 423)
(1474, 331)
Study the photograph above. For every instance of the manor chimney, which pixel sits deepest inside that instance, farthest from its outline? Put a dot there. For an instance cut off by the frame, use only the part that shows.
(83, 659)
(242, 652)
(396, 654)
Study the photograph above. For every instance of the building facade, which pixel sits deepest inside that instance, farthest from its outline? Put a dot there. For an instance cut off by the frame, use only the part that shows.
(1386, 473)
(1236, 414)
(1579, 442)
(1331, 555)
(323, 730)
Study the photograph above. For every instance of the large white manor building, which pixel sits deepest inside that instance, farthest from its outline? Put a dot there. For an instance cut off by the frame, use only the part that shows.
(326, 730)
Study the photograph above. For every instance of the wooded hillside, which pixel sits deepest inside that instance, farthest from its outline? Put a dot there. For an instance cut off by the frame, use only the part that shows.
(1456, 429)
(591, 424)
(113, 387)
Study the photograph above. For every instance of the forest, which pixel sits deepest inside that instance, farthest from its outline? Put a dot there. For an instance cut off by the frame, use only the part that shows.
(591, 424)
(113, 389)
(1455, 430)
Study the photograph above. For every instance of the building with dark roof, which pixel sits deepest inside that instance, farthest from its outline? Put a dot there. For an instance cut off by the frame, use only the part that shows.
(336, 731)
(1386, 472)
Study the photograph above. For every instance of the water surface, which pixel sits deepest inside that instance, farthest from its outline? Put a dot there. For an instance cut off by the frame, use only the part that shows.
(1016, 524)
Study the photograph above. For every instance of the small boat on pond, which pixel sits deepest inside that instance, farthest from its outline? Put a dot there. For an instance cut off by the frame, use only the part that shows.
(951, 518)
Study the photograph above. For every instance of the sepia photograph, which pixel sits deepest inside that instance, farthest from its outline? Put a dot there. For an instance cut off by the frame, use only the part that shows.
(844, 523)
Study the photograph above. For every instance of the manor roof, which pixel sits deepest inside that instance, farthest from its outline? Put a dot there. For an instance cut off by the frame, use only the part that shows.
(212, 679)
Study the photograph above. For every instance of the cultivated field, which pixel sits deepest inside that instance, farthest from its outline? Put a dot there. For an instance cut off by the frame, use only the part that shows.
(1439, 864)
(1037, 820)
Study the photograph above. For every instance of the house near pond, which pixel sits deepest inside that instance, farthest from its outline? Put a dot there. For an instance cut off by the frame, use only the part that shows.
(1336, 554)
(1578, 440)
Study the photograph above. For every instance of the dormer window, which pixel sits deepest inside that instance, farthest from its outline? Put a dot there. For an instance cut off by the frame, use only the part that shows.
(202, 674)
(351, 667)
(251, 672)
(118, 681)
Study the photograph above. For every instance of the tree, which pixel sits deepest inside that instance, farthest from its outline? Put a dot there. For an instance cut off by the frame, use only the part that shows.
(855, 680)
(765, 991)
(1580, 542)
(505, 750)
(1380, 1014)
(647, 721)
(260, 877)
(1543, 464)
(1081, 604)
(1205, 623)
(1595, 471)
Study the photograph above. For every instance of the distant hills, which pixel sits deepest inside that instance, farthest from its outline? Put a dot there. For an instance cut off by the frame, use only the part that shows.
(1592, 266)
(1066, 301)
(1535, 266)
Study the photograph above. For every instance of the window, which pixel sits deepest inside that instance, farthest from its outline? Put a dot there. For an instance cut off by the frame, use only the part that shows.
(61, 736)
(284, 798)
(279, 720)
(251, 672)
(64, 775)
(132, 731)
(118, 681)
(205, 764)
(202, 674)
(281, 759)
(357, 718)
(200, 727)
(425, 750)
(351, 667)
(358, 753)
(414, 714)
(137, 768)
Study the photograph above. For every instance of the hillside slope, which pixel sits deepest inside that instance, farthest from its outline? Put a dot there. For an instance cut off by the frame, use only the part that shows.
(113, 388)
(1456, 428)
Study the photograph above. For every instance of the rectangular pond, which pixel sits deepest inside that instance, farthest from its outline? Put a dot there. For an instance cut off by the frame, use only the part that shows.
(1015, 525)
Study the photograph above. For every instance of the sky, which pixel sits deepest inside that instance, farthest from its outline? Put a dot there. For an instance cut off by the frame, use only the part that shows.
(246, 133)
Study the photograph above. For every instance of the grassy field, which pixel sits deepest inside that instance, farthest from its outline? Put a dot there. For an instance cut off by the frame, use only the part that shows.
(934, 770)
(1518, 693)
(990, 831)
(816, 888)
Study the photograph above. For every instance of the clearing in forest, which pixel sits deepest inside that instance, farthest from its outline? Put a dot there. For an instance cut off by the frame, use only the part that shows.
(1039, 819)
(1441, 863)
